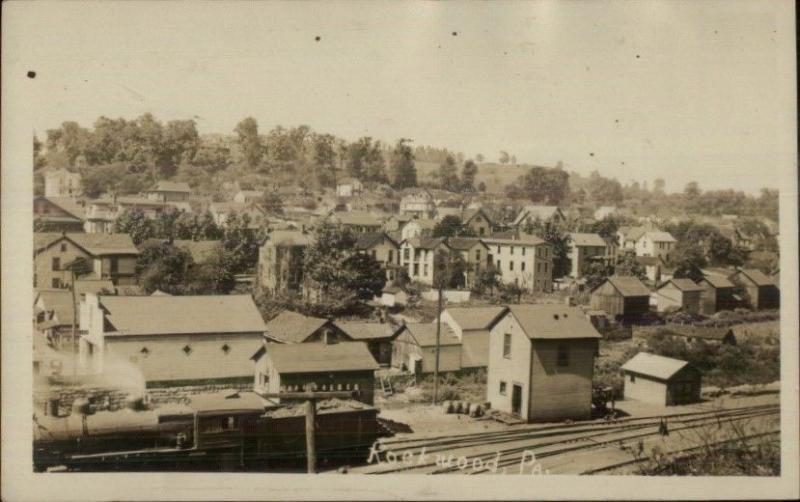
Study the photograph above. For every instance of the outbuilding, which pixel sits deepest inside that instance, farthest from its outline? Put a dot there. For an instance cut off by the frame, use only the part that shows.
(762, 293)
(661, 380)
(377, 335)
(718, 294)
(623, 298)
(679, 294)
(471, 326)
(414, 349)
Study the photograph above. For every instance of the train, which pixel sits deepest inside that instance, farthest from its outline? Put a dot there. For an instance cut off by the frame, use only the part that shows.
(239, 432)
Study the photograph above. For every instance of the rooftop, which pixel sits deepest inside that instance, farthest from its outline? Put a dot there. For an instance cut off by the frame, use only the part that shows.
(172, 186)
(291, 327)
(660, 367)
(359, 330)
(102, 244)
(758, 277)
(470, 318)
(552, 322)
(580, 239)
(425, 334)
(683, 284)
(628, 285)
(167, 315)
(321, 357)
(524, 240)
(369, 239)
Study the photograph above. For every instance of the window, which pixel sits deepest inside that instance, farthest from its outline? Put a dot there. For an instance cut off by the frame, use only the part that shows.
(481, 231)
(631, 377)
(56, 283)
(502, 388)
(63, 247)
(477, 255)
(406, 253)
(563, 354)
(35, 280)
(512, 250)
(425, 269)
(144, 352)
(507, 346)
(498, 264)
(416, 269)
(523, 251)
(114, 265)
(511, 265)
(545, 268)
(56, 263)
(498, 249)
(522, 265)
(391, 255)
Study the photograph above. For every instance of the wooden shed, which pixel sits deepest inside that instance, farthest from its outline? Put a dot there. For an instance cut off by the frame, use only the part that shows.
(471, 325)
(762, 293)
(718, 294)
(621, 297)
(414, 349)
(661, 380)
(679, 294)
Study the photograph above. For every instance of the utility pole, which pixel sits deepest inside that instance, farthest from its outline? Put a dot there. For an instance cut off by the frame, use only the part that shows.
(74, 326)
(439, 331)
(311, 399)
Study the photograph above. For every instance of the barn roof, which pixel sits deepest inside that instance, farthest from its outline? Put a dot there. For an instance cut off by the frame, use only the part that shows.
(660, 367)
(475, 317)
(167, 315)
(99, 244)
(582, 239)
(464, 243)
(370, 239)
(59, 301)
(718, 281)
(552, 322)
(42, 239)
(683, 285)
(361, 218)
(425, 334)
(758, 277)
(321, 357)
(359, 330)
(291, 327)
(628, 285)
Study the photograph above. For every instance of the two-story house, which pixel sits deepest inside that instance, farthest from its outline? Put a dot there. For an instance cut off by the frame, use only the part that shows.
(417, 257)
(476, 257)
(58, 214)
(383, 248)
(419, 204)
(541, 362)
(169, 191)
(656, 243)
(417, 228)
(109, 256)
(526, 262)
(280, 261)
(584, 248)
(62, 183)
(529, 214)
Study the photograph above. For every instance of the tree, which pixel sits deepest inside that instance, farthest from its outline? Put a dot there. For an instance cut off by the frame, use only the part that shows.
(240, 244)
(605, 191)
(162, 266)
(488, 278)
(542, 184)
(482, 187)
(273, 202)
(628, 266)
(692, 190)
(504, 158)
(468, 174)
(448, 175)
(595, 272)
(606, 228)
(449, 226)
(448, 269)
(325, 159)
(250, 142)
(365, 276)
(365, 160)
(403, 168)
(688, 259)
(213, 276)
(135, 224)
(554, 235)
(38, 159)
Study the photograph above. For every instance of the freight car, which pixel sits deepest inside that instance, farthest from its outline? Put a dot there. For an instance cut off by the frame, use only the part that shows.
(215, 432)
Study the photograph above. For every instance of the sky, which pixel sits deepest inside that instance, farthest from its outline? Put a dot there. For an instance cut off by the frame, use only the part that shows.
(684, 91)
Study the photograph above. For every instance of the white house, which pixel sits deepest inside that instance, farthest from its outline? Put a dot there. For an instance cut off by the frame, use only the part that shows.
(527, 262)
(417, 257)
(418, 204)
(655, 243)
(62, 183)
(417, 228)
(349, 187)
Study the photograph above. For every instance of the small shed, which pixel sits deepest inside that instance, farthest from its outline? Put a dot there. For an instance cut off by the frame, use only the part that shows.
(679, 294)
(762, 293)
(377, 335)
(471, 325)
(393, 296)
(415, 349)
(621, 297)
(717, 294)
(661, 380)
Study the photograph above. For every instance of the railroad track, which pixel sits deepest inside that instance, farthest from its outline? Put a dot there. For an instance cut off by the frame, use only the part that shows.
(543, 441)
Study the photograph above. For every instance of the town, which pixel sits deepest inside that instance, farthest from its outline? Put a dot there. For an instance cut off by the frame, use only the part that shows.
(294, 302)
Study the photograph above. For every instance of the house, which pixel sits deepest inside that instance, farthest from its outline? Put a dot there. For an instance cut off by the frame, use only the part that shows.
(348, 187)
(248, 197)
(584, 248)
(526, 262)
(291, 327)
(661, 380)
(414, 349)
(604, 212)
(396, 222)
(417, 257)
(109, 256)
(471, 326)
(358, 221)
(624, 298)
(295, 367)
(679, 294)
(55, 312)
(628, 236)
(694, 334)
(541, 362)
(62, 183)
(57, 214)
(761, 291)
(100, 216)
(281, 261)
(478, 221)
(393, 296)
(169, 191)
(417, 228)
(653, 267)
(476, 257)
(418, 204)
(718, 294)
(151, 208)
(382, 248)
(222, 211)
(655, 243)
(378, 336)
(172, 340)
(530, 214)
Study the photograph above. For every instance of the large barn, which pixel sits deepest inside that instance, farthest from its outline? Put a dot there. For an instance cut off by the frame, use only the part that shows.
(623, 298)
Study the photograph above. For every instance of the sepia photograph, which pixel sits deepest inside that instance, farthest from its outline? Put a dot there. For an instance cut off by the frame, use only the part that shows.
(414, 239)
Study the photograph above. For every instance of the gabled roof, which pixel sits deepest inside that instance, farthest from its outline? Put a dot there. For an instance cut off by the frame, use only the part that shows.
(660, 367)
(657, 236)
(370, 239)
(633, 233)
(535, 211)
(471, 318)
(360, 218)
(582, 239)
(291, 327)
(59, 301)
(227, 402)
(426, 242)
(627, 285)
(321, 357)
(359, 330)
(758, 277)
(43, 239)
(288, 238)
(168, 315)
(465, 243)
(425, 334)
(471, 213)
(104, 244)
(69, 205)
(171, 186)
(684, 284)
(551, 321)
(718, 281)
